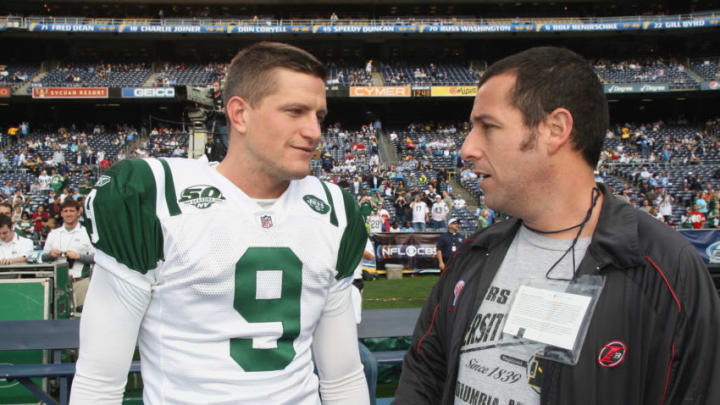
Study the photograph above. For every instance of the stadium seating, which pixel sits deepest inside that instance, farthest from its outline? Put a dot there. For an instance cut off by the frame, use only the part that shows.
(651, 71)
(708, 68)
(90, 75)
(15, 75)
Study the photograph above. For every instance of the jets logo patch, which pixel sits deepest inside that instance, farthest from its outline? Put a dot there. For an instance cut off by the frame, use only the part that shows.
(612, 354)
(102, 180)
(316, 204)
(201, 196)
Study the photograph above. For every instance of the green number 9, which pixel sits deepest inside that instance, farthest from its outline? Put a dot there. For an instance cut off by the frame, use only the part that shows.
(257, 263)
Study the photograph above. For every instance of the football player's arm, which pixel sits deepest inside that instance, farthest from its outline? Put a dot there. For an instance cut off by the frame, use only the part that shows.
(112, 313)
(342, 380)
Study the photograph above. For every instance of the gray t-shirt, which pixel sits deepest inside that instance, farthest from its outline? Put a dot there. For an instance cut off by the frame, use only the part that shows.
(494, 369)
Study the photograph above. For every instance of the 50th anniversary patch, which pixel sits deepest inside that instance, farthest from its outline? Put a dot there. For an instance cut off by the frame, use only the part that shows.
(201, 196)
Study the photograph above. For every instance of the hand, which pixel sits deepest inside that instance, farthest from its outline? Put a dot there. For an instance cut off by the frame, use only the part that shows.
(442, 266)
(71, 254)
(55, 253)
(4, 261)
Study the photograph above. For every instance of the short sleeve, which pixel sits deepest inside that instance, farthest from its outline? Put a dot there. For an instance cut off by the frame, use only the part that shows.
(120, 216)
(353, 239)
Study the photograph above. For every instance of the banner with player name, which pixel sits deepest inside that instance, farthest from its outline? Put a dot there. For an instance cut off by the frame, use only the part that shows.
(453, 91)
(380, 91)
(382, 27)
(4, 92)
(714, 85)
(69, 92)
(415, 251)
(636, 88)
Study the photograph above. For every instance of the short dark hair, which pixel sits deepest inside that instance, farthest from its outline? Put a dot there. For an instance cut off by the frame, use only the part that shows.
(250, 74)
(547, 78)
(7, 205)
(6, 221)
(70, 202)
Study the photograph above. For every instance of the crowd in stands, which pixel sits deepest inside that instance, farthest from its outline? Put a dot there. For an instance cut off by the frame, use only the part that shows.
(649, 70)
(41, 168)
(103, 74)
(670, 170)
(190, 74)
(432, 74)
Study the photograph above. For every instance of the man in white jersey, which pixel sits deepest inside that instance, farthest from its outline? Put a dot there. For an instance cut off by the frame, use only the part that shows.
(420, 213)
(226, 274)
(539, 121)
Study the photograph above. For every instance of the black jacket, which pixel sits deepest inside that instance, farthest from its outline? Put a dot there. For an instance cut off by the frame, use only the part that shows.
(658, 300)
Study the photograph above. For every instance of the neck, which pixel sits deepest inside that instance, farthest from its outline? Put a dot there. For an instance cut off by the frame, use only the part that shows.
(253, 181)
(557, 211)
(70, 227)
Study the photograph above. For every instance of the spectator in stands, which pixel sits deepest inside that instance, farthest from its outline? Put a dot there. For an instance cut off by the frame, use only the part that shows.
(536, 144)
(665, 204)
(438, 213)
(13, 248)
(407, 227)
(696, 218)
(420, 213)
(402, 209)
(24, 226)
(39, 217)
(72, 242)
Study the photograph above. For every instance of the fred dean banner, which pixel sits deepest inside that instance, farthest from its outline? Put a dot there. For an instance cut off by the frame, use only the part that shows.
(415, 251)
(453, 91)
(380, 91)
(636, 88)
(70, 92)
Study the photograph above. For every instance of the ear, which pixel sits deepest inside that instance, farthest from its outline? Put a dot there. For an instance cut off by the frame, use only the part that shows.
(559, 126)
(236, 109)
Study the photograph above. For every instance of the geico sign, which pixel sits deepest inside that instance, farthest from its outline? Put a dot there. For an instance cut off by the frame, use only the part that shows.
(162, 92)
(399, 91)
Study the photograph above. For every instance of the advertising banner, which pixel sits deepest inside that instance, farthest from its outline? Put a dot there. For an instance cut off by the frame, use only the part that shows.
(155, 92)
(4, 92)
(382, 91)
(70, 92)
(636, 88)
(714, 85)
(453, 91)
(415, 251)
(707, 243)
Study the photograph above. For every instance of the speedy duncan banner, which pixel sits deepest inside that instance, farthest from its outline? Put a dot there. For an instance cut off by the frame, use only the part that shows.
(412, 250)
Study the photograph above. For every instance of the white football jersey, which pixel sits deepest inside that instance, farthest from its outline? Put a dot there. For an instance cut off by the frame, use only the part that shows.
(237, 289)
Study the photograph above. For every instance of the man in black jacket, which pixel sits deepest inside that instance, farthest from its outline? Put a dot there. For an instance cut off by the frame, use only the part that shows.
(539, 121)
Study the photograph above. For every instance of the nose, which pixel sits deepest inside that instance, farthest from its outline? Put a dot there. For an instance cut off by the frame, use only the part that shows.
(471, 148)
(311, 129)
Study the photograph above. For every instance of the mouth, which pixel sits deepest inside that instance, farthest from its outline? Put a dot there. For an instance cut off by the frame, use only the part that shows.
(306, 149)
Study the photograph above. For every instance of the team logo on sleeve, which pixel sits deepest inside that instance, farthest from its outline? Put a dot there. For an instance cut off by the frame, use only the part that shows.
(201, 196)
(103, 180)
(316, 204)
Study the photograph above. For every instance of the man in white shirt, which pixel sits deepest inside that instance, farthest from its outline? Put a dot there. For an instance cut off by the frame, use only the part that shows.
(13, 248)
(438, 213)
(72, 242)
(420, 213)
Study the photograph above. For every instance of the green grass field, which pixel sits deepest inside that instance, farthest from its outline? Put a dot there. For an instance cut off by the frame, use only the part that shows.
(409, 292)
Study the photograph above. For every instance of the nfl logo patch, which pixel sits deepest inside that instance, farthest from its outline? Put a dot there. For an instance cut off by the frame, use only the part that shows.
(266, 221)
